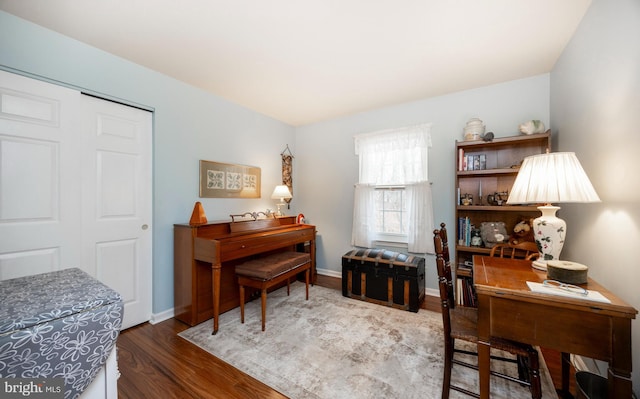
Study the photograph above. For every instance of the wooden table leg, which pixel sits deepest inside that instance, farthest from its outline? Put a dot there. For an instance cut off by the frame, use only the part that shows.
(215, 268)
(484, 367)
(619, 373)
(484, 345)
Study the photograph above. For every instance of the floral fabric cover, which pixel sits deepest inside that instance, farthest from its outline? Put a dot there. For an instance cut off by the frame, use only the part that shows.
(61, 324)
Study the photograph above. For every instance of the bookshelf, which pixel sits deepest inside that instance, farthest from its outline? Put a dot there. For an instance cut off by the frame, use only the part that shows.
(485, 172)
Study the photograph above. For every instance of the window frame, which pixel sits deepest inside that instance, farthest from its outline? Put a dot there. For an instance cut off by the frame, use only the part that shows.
(400, 238)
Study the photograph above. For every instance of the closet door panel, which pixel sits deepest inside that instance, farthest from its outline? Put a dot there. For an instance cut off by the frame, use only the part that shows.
(39, 177)
(75, 188)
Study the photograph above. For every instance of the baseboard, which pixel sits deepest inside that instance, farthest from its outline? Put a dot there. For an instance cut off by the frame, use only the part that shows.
(432, 292)
(162, 316)
(329, 273)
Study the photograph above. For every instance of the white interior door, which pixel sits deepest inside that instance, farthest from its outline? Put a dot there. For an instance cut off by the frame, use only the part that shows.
(39, 178)
(116, 231)
(75, 188)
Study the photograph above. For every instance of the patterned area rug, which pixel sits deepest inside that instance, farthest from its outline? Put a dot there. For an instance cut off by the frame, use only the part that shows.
(335, 347)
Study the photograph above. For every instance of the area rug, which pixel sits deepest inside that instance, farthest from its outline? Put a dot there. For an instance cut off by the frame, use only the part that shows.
(336, 347)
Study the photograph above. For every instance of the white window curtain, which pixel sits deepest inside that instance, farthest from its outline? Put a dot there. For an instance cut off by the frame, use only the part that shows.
(420, 205)
(394, 157)
(362, 210)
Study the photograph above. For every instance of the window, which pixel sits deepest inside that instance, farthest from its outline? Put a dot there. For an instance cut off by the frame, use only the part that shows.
(393, 196)
(391, 219)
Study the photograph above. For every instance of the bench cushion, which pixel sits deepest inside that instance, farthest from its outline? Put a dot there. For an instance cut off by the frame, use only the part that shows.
(268, 267)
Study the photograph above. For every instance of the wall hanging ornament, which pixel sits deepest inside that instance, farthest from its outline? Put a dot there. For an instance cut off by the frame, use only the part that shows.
(287, 171)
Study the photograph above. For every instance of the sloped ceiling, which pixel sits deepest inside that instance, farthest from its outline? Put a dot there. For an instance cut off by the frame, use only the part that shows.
(304, 61)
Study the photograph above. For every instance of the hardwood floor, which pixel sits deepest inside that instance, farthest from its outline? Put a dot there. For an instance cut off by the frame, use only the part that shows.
(155, 363)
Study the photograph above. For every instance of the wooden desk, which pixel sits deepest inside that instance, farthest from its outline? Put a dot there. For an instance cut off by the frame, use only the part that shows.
(508, 309)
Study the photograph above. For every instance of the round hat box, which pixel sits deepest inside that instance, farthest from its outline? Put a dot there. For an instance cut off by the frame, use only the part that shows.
(567, 272)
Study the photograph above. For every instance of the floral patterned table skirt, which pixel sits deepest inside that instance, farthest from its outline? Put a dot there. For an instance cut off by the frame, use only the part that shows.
(62, 324)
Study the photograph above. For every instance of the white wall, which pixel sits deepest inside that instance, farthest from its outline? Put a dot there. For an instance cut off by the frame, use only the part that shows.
(595, 109)
(189, 125)
(327, 167)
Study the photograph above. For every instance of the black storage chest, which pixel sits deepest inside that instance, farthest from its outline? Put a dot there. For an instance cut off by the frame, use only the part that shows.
(384, 277)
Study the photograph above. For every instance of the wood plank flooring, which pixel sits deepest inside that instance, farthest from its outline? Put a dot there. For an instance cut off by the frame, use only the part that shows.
(155, 363)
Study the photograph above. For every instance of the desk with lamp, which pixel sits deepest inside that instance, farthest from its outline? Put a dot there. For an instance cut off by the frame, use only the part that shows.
(552, 303)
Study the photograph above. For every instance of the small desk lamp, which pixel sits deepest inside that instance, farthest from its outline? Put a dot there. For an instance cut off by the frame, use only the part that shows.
(282, 193)
(546, 178)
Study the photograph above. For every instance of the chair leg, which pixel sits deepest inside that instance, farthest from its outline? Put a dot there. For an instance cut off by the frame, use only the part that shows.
(306, 282)
(566, 364)
(448, 365)
(263, 297)
(523, 368)
(241, 303)
(288, 285)
(534, 375)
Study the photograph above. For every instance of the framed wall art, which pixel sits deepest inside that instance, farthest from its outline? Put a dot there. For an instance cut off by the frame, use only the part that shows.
(223, 180)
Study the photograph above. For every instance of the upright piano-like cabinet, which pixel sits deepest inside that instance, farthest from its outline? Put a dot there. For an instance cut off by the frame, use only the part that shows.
(204, 253)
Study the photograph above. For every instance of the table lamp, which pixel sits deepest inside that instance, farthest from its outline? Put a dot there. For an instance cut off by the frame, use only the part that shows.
(551, 178)
(281, 192)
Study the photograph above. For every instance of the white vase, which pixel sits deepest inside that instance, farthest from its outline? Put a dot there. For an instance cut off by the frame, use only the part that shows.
(549, 232)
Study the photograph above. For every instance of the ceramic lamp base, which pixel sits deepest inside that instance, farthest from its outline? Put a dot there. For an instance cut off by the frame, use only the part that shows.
(549, 232)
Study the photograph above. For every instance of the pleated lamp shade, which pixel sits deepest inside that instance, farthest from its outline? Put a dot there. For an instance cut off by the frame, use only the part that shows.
(551, 178)
(556, 177)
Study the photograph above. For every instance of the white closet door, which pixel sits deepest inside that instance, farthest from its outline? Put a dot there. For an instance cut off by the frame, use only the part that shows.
(75, 187)
(40, 217)
(116, 229)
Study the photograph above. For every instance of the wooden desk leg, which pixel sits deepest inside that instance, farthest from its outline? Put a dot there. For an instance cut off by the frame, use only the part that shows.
(484, 346)
(215, 269)
(619, 372)
(484, 366)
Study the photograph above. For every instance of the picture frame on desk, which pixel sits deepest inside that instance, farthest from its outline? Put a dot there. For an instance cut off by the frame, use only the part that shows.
(223, 180)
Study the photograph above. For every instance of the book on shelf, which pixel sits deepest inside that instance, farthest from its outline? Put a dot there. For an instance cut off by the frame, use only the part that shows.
(464, 231)
(471, 162)
(466, 265)
(465, 293)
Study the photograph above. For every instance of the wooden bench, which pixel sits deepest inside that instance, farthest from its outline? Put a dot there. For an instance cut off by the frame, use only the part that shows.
(265, 272)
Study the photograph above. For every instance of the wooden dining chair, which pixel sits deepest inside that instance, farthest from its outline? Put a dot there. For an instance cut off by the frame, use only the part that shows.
(524, 250)
(461, 323)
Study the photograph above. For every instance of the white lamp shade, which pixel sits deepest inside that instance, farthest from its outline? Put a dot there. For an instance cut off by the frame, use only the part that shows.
(281, 192)
(555, 177)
